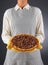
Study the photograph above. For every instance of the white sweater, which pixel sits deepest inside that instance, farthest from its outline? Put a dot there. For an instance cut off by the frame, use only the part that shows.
(27, 20)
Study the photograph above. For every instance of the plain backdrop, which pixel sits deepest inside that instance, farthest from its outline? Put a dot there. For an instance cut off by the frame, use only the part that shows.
(43, 5)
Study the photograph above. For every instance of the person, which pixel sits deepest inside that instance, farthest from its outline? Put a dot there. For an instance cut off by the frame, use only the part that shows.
(23, 18)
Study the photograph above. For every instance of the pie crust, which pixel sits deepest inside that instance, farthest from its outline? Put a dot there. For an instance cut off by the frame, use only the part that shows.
(23, 43)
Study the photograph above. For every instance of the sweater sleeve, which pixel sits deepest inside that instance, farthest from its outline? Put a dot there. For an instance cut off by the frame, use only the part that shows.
(6, 33)
(40, 27)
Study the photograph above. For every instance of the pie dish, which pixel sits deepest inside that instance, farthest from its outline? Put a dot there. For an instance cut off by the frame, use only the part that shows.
(24, 43)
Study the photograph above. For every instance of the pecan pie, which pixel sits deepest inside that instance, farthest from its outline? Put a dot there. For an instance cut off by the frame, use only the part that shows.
(24, 43)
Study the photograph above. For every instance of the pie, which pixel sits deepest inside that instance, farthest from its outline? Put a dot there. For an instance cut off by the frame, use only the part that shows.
(23, 43)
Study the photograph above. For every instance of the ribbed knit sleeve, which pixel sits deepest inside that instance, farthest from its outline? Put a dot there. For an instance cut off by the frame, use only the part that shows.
(6, 28)
(40, 27)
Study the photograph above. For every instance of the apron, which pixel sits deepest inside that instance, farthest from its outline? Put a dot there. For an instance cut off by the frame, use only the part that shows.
(23, 58)
(23, 22)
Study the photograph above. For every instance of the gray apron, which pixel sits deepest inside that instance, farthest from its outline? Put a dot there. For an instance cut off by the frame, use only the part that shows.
(23, 58)
(23, 22)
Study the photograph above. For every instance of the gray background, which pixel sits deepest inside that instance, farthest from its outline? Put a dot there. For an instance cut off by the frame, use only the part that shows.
(43, 5)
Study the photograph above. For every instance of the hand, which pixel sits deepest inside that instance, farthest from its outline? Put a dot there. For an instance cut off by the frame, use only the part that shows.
(39, 46)
(9, 44)
(38, 39)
